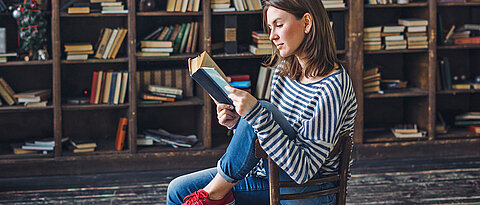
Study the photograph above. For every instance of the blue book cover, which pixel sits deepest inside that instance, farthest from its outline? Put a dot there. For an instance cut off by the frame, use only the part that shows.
(240, 84)
(112, 87)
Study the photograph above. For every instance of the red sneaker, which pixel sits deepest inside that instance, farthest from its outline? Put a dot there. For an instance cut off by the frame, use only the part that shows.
(200, 197)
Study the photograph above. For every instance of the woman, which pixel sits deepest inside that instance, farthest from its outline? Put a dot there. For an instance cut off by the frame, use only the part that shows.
(312, 101)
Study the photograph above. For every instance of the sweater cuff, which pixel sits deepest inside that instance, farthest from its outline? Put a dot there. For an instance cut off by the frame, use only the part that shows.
(254, 113)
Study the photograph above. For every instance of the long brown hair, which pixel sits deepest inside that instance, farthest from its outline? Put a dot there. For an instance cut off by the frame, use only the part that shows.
(318, 46)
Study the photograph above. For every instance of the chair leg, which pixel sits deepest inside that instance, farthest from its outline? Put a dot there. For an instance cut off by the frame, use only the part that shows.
(274, 182)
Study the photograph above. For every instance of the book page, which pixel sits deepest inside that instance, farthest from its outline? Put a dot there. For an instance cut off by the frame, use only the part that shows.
(217, 78)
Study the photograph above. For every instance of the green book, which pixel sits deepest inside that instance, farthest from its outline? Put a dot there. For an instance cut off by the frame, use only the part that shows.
(178, 40)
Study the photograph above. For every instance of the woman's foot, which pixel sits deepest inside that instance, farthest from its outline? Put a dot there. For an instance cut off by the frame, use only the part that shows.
(201, 197)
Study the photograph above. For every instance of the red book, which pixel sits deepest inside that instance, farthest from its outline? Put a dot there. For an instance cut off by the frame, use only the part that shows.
(474, 128)
(471, 40)
(93, 91)
(232, 78)
(121, 132)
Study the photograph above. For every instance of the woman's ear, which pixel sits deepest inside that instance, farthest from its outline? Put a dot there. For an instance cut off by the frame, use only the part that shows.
(308, 21)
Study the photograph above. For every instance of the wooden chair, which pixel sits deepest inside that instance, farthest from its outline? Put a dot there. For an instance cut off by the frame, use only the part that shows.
(343, 145)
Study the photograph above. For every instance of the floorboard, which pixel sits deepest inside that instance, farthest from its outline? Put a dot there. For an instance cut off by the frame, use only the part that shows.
(454, 180)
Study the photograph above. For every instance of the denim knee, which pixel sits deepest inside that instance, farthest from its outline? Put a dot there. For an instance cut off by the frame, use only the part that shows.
(174, 191)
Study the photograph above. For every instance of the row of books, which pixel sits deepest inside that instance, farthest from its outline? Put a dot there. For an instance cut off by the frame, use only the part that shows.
(410, 33)
(183, 5)
(329, 4)
(178, 38)
(389, 1)
(109, 87)
(238, 5)
(264, 82)
(96, 6)
(261, 43)
(29, 98)
(174, 78)
(159, 94)
(467, 119)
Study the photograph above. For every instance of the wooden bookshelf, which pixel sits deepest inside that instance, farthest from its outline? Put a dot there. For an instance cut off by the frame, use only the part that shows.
(420, 104)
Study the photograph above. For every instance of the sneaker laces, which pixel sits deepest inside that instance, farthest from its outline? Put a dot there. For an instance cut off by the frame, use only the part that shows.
(197, 196)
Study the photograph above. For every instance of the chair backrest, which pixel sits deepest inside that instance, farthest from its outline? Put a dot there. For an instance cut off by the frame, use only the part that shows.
(343, 146)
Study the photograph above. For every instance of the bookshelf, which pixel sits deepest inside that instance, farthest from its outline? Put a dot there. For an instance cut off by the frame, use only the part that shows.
(419, 104)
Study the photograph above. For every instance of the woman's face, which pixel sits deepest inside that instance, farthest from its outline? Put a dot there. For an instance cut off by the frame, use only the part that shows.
(286, 32)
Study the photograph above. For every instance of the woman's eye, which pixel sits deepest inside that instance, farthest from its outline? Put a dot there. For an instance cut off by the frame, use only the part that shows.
(279, 25)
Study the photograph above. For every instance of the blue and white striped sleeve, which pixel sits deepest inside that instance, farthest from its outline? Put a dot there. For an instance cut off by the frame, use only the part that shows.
(301, 160)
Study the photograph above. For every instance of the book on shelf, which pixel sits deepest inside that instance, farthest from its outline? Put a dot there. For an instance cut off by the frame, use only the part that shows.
(164, 89)
(474, 128)
(3, 40)
(210, 77)
(412, 22)
(82, 144)
(17, 149)
(418, 134)
(156, 44)
(230, 30)
(152, 54)
(33, 95)
(7, 93)
(36, 104)
(469, 40)
(45, 144)
(144, 141)
(79, 10)
(157, 97)
(121, 132)
(405, 128)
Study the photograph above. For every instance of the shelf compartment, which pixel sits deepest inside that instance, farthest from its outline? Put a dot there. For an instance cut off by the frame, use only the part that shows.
(164, 13)
(26, 63)
(94, 107)
(411, 92)
(195, 101)
(95, 60)
(377, 6)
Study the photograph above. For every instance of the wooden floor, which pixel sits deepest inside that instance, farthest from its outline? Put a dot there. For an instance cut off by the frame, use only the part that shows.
(407, 181)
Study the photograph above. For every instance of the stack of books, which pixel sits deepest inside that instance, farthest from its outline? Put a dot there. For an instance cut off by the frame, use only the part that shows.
(371, 80)
(407, 131)
(467, 119)
(372, 38)
(393, 37)
(467, 34)
(416, 32)
(108, 87)
(155, 48)
(82, 145)
(328, 4)
(79, 8)
(112, 7)
(261, 43)
(109, 42)
(45, 145)
(162, 94)
(78, 51)
(240, 82)
(34, 98)
(3, 46)
(163, 137)
(221, 6)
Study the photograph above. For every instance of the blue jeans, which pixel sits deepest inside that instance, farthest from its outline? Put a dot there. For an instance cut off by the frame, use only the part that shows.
(238, 160)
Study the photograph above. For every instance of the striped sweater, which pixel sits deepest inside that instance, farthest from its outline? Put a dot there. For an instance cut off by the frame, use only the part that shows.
(318, 112)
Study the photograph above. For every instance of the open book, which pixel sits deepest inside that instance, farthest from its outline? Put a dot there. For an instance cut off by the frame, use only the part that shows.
(207, 73)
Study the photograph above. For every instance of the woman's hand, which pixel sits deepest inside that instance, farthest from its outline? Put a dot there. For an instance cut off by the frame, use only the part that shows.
(242, 100)
(226, 115)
